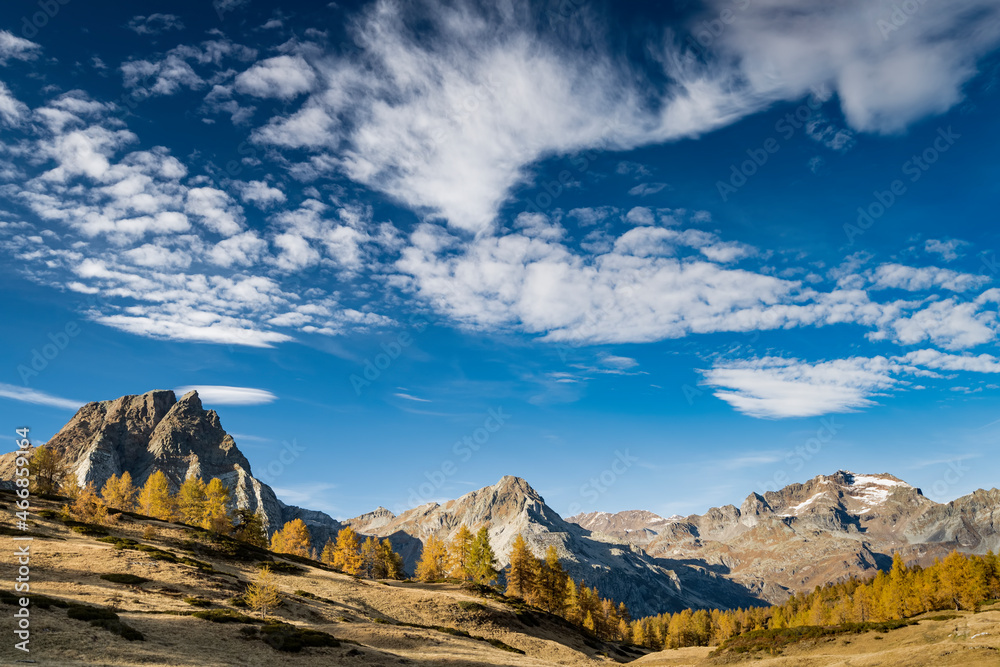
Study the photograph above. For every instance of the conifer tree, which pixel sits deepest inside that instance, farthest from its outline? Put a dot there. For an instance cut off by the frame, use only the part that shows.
(46, 470)
(572, 608)
(521, 575)
(155, 499)
(433, 564)
(262, 594)
(88, 506)
(215, 513)
(293, 538)
(250, 528)
(551, 584)
(119, 493)
(370, 563)
(191, 501)
(391, 562)
(482, 559)
(460, 553)
(347, 553)
(329, 549)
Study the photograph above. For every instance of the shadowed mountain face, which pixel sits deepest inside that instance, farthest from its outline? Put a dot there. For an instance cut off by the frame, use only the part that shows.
(804, 535)
(621, 571)
(829, 528)
(155, 431)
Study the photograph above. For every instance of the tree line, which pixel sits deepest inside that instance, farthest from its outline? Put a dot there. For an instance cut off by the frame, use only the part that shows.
(959, 582)
(541, 582)
(371, 559)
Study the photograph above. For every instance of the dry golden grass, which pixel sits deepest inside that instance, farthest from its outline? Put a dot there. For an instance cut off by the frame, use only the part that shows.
(969, 640)
(368, 617)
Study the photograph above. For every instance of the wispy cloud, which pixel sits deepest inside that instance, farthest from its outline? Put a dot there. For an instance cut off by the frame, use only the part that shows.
(25, 395)
(411, 397)
(223, 395)
(750, 460)
(775, 388)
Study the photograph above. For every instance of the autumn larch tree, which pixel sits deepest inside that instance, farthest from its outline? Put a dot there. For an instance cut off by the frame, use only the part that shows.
(521, 574)
(460, 553)
(119, 492)
(370, 565)
(155, 499)
(392, 562)
(551, 583)
(46, 470)
(263, 594)
(347, 553)
(293, 538)
(191, 501)
(88, 506)
(216, 515)
(482, 559)
(433, 564)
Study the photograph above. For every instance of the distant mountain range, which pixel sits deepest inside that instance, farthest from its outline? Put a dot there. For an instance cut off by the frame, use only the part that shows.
(829, 528)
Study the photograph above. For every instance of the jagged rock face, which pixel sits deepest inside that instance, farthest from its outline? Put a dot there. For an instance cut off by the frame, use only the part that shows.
(827, 529)
(511, 507)
(156, 432)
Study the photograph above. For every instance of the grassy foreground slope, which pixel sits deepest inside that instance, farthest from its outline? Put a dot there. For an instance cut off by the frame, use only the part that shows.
(959, 639)
(154, 577)
(143, 592)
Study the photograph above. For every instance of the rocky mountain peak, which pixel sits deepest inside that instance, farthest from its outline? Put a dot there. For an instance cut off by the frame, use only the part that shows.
(145, 433)
(515, 486)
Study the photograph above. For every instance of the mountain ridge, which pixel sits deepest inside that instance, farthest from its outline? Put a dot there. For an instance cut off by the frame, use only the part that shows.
(825, 529)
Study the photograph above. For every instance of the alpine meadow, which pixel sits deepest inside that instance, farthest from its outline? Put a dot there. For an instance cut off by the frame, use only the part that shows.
(528, 333)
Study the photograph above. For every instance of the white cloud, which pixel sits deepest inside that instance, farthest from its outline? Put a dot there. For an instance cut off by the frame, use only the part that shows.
(588, 217)
(618, 362)
(25, 395)
(155, 256)
(983, 363)
(154, 24)
(175, 70)
(644, 189)
(776, 388)
(448, 119)
(914, 279)
(17, 48)
(216, 210)
(223, 395)
(949, 323)
(410, 397)
(261, 194)
(947, 249)
(647, 286)
(12, 110)
(193, 326)
(283, 77)
(640, 215)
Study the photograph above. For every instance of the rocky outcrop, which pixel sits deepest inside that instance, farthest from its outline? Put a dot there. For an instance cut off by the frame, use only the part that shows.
(830, 528)
(511, 506)
(155, 431)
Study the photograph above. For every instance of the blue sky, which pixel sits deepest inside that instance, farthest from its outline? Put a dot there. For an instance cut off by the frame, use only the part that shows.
(643, 259)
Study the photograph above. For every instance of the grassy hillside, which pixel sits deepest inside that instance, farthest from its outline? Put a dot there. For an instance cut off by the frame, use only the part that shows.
(144, 592)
